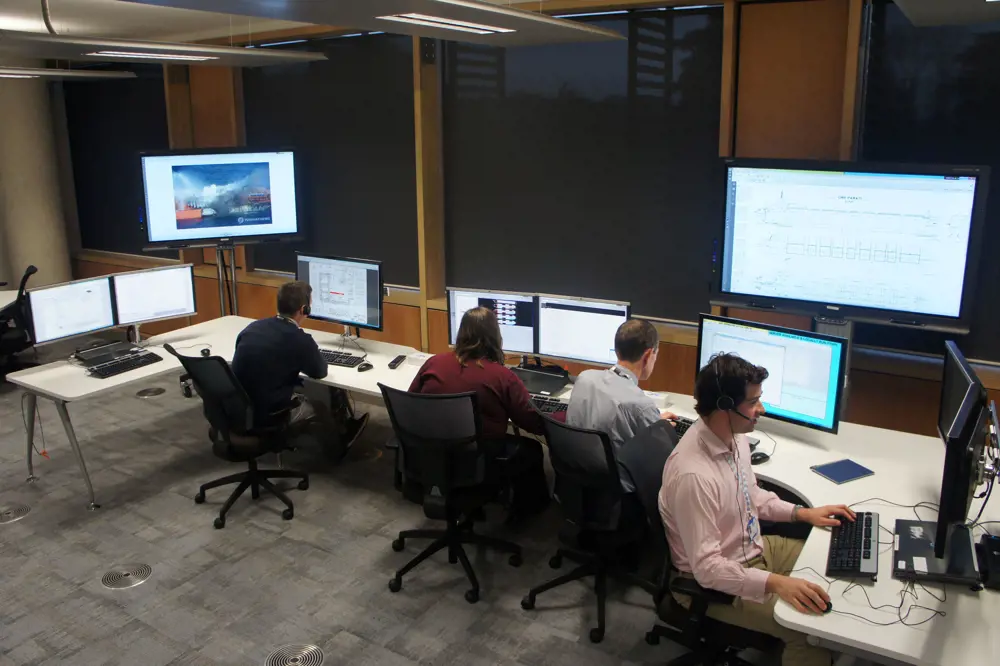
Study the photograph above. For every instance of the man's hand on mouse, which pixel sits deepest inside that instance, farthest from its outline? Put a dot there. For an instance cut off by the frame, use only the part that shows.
(823, 516)
(803, 595)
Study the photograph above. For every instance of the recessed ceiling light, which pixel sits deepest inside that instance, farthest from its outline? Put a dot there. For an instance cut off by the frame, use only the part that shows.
(454, 22)
(150, 56)
(18, 76)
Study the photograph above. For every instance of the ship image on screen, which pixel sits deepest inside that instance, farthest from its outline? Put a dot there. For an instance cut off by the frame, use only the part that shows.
(887, 241)
(222, 195)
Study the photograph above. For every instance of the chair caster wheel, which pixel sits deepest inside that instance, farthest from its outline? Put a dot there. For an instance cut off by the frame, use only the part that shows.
(398, 545)
(527, 603)
(304, 484)
(288, 514)
(652, 638)
(555, 561)
(596, 635)
(199, 498)
(220, 523)
(515, 560)
(395, 584)
(472, 596)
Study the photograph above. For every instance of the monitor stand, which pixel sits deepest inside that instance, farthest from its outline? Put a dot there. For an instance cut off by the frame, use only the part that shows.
(915, 561)
(224, 289)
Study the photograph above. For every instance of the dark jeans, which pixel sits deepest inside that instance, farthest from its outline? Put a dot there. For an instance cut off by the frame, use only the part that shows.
(321, 413)
(517, 463)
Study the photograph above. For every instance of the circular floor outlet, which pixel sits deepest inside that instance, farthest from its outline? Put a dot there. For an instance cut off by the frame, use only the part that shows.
(295, 655)
(12, 514)
(150, 392)
(127, 576)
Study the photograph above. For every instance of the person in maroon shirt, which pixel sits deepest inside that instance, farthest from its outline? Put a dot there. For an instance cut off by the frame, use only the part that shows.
(477, 364)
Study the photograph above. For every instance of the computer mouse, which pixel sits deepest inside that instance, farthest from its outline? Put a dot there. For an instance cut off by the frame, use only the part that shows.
(829, 607)
(365, 367)
(758, 458)
(205, 352)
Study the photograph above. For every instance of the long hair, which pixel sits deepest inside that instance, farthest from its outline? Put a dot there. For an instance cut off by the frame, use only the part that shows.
(479, 337)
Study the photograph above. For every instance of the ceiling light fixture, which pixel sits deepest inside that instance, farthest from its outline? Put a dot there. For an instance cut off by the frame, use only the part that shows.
(456, 22)
(403, 19)
(55, 73)
(151, 56)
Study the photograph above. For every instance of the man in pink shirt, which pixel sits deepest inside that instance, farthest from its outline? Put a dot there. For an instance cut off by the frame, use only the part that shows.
(711, 507)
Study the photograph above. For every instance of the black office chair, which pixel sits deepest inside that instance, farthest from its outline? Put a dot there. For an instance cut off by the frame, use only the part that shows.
(712, 643)
(598, 522)
(15, 326)
(234, 437)
(439, 439)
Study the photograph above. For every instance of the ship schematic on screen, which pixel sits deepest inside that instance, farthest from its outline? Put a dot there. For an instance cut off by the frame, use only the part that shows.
(222, 195)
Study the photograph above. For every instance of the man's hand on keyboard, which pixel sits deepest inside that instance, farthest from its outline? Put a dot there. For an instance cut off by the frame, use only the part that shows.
(669, 416)
(824, 516)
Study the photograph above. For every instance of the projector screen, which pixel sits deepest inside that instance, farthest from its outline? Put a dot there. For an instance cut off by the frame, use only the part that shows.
(200, 199)
(896, 242)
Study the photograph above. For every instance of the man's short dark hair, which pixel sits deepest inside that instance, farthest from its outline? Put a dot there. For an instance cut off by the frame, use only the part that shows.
(725, 374)
(633, 338)
(292, 297)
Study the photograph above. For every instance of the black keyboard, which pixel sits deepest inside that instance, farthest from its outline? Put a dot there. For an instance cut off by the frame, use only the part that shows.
(342, 359)
(682, 425)
(124, 364)
(548, 405)
(854, 548)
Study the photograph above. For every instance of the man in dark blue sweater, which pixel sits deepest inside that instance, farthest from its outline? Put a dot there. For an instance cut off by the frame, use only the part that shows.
(270, 356)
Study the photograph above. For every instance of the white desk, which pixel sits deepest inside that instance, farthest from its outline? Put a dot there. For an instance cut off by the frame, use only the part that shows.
(63, 382)
(908, 470)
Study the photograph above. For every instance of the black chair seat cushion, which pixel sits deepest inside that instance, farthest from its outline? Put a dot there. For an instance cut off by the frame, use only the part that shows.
(243, 448)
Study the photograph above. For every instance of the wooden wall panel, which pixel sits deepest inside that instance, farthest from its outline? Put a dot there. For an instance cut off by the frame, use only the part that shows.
(790, 90)
(773, 318)
(675, 369)
(214, 106)
(437, 331)
(892, 402)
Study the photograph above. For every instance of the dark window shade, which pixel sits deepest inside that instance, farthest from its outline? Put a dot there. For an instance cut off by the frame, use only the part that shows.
(932, 96)
(589, 169)
(350, 121)
(110, 123)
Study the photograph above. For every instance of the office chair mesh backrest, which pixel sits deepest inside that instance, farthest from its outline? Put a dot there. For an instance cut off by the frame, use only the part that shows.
(439, 437)
(227, 406)
(587, 483)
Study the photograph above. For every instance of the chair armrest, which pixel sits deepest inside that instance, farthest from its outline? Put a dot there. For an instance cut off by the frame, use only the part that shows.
(392, 443)
(690, 587)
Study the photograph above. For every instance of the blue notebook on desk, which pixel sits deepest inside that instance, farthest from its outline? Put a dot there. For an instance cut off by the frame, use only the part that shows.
(842, 471)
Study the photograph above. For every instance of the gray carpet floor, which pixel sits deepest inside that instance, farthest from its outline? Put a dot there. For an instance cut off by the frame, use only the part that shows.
(231, 596)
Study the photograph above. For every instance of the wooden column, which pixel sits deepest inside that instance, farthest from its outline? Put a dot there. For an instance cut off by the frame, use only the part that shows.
(852, 79)
(430, 177)
(727, 116)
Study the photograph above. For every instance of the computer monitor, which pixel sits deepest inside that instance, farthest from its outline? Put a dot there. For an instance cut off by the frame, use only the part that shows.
(516, 313)
(206, 198)
(891, 243)
(152, 295)
(580, 329)
(963, 424)
(805, 370)
(345, 291)
(73, 308)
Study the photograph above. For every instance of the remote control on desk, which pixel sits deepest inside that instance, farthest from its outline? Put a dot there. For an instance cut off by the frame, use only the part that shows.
(396, 362)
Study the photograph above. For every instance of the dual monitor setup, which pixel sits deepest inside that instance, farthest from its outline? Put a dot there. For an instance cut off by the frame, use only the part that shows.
(87, 306)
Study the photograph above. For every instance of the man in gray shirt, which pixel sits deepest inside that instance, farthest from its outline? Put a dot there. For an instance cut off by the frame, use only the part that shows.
(611, 400)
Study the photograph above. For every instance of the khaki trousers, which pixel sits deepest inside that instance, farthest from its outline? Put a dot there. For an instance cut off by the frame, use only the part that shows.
(779, 557)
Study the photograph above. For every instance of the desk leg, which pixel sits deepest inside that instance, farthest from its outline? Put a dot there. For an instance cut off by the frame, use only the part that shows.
(68, 427)
(32, 401)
